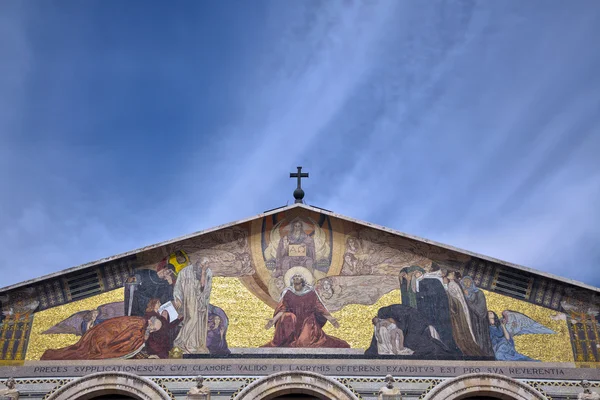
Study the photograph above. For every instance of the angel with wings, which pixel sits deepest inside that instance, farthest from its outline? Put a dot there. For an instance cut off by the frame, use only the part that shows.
(502, 331)
(296, 248)
(82, 321)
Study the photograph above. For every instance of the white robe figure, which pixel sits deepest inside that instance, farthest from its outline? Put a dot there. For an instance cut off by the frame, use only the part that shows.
(456, 292)
(390, 339)
(194, 301)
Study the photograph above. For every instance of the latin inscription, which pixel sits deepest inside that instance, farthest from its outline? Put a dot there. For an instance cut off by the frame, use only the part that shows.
(266, 369)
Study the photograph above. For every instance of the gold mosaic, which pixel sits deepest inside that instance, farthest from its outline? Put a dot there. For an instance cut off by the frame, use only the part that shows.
(356, 327)
(43, 320)
(544, 347)
(248, 316)
(247, 313)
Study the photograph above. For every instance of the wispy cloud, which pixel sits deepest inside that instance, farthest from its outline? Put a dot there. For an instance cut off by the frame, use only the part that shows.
(471, 123)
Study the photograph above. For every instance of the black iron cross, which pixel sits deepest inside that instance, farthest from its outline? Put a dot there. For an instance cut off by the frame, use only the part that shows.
(299, 193)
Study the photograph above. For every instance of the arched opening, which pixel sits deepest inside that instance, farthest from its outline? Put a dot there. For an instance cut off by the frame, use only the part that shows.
(477, 397)
(296, 386)
(110, 386)
(483, 387)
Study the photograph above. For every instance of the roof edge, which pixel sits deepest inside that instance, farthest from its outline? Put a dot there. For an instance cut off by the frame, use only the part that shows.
(148, 247)
(453, 248)
(314, 209)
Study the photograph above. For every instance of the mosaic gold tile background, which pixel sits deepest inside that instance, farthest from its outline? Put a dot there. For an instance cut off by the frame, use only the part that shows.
(550, 348)
(247, 313)
(356, 327)
(248, 316)
(43, 320)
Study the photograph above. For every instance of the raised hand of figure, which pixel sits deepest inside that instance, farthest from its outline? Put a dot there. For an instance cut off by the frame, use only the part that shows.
(335, 323)
(177, 304)
(270, 323)
(165, 314)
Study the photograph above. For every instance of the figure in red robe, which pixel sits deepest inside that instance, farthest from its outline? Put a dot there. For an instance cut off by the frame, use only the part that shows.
(114, 338)
(160, 341)
(299, 318)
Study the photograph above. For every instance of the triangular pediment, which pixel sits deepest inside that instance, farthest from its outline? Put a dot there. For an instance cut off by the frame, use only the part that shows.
(356, 270)
(149, 254)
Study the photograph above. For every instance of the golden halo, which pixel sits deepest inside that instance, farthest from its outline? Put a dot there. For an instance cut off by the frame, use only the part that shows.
(306, 274)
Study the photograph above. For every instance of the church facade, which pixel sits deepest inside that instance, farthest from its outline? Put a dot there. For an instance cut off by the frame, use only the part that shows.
(299, 302)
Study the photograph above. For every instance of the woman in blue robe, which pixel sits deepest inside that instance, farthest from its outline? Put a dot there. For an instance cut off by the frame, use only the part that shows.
(502, 343)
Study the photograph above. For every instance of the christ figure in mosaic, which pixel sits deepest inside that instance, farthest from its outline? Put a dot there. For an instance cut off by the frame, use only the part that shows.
(300, 316)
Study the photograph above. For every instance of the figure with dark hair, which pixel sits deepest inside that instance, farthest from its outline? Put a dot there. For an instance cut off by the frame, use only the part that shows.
(478, 314)
(432, 302)
(216, 337)
(148, 284)
(325, 288)
(502, 342)
(408, 282)
(416, 330)
(90, 320)
(160, 341)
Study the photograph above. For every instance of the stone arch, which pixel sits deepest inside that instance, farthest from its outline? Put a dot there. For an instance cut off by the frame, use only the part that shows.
(282, 383)
(492, 385)
(102, 383)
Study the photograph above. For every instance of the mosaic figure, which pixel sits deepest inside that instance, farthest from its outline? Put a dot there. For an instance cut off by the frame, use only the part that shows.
(191, 298)
(160, 342)
(147, 284)
(216, 337)
(302, 243)
(390, 339)
(503, 330)
(408, 284)
(121, 337)
(300, 315)
(432, 302)
(338, 291)
(462, 329)
(479, 315)
(419, 335)
(82, 321)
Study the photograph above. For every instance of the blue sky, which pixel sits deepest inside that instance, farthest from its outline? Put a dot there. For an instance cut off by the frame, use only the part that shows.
(472, 123)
